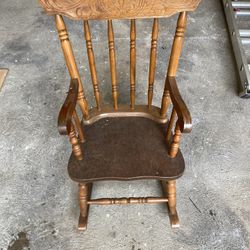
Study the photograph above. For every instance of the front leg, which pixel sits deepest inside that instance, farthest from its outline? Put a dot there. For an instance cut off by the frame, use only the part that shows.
(84, 194)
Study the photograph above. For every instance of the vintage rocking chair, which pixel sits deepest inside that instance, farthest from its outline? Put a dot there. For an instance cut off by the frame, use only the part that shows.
(119, 147)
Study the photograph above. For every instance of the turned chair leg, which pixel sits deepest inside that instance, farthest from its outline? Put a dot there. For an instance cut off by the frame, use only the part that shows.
(171, 195)
(84, 194)
(169, 189)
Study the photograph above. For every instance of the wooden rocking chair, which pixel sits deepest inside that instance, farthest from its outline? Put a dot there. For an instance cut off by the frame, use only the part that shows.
(119, 147)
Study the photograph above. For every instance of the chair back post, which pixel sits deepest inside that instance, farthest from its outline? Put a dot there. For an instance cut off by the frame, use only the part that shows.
(174, 58)
(172, 70)
(70, 62)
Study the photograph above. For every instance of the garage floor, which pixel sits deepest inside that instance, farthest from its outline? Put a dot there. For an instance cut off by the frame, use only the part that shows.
(38, 205)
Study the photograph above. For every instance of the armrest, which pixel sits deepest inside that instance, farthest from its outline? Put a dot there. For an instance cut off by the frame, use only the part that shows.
(68, 108)
(184, 117)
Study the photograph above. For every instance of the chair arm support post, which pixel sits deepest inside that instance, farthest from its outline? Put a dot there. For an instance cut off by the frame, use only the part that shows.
(68, 115)
(174, 148)
(170, 127)
(78, 127)
(183, 114)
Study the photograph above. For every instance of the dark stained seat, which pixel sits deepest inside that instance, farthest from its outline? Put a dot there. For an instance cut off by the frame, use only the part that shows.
(125, 149)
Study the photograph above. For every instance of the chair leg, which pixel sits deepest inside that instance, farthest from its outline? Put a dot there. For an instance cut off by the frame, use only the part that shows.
(169, 190)
(83, 196)
(171, 195)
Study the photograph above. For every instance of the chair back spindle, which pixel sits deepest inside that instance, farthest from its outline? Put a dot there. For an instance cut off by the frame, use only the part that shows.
(112, 61)
(70, 62)
(152, 65)
(92, 66)
(132, 63)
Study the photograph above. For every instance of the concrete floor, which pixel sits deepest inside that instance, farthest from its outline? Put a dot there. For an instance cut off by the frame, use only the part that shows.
(38, 206)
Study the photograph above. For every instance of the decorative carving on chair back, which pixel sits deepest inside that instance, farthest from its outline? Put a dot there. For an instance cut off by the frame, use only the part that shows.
(117, 9)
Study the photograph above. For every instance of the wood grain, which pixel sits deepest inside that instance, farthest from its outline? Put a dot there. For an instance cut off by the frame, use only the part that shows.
(114, 9)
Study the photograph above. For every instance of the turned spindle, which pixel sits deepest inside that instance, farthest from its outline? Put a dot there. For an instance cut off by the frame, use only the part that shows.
(112, 61)
(92, 66)
(152, 65)
(132, 63)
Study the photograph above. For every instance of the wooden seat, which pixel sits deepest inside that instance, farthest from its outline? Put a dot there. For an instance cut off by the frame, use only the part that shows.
(125, 149)
(117, 142)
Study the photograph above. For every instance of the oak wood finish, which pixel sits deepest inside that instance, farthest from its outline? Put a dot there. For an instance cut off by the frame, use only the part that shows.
(170, 126)
(70, 62)
(92, 66)
(67, 115)
(75, 144)
(84, 194)
(171, 194)
(169, 191)
(114, 9)
(78, 127)
(127, 201)
(177, 44)
(125, 111)
(68, 108)
(152, 65)
(166, 101)
(132, 63)
(112, 61)
(174, 58)
(135, 141)
(176, 142)
(184, 117)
